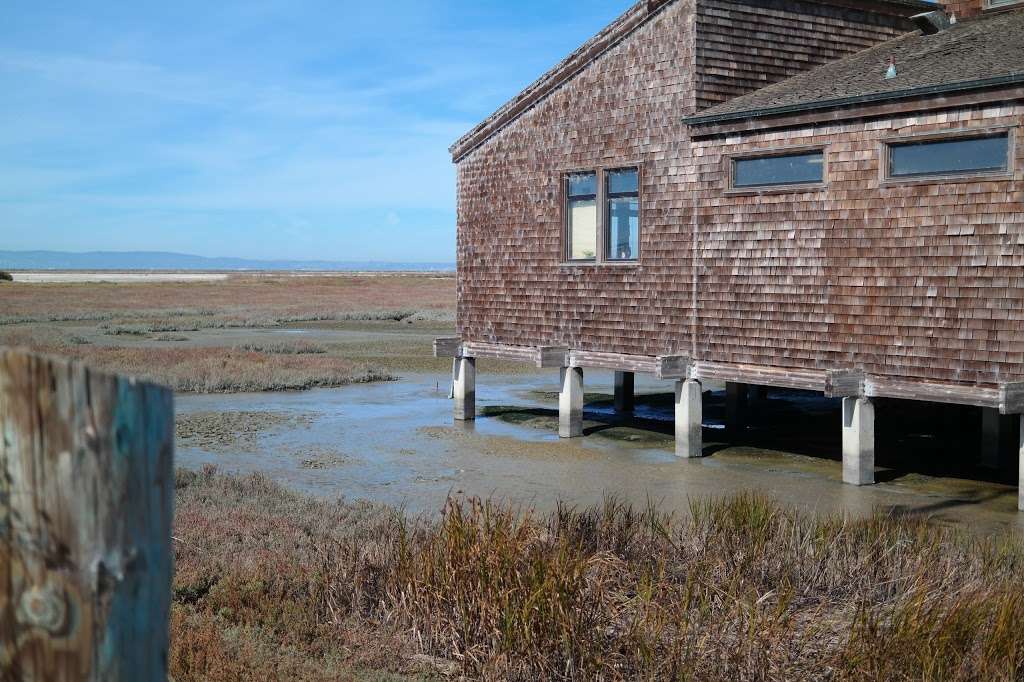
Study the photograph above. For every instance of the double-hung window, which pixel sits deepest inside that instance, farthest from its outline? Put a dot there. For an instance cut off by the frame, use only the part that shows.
(602, 215)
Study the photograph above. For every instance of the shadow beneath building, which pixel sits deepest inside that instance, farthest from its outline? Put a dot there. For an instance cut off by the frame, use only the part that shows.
(912, 438)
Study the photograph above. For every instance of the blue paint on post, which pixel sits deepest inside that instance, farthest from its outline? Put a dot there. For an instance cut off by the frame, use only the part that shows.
(140, 577)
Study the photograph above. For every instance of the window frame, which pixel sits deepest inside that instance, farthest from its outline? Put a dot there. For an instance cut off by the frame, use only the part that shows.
(607, 209)
(566, 236)
(601, 258)
(729, 169)
(886, 179)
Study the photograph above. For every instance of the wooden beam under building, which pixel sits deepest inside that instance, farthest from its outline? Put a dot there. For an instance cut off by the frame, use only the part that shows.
(543, 357)
(1011, 398)
(1007, 398)
(835, 383)
(447, 347)
(660, 366)
(978, 396)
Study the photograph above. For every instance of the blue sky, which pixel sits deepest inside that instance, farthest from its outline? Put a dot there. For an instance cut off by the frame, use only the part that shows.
(257, 128)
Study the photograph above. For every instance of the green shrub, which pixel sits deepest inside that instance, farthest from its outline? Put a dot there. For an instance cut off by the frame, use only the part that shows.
(6, 276)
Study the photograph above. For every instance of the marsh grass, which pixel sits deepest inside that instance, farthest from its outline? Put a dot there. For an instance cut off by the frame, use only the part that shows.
(284, 348)
(198, 369)
(220, 370)
(739, 588)
(239, 301)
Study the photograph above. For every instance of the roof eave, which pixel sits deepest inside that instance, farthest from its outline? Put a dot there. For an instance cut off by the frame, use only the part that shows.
(752, 115)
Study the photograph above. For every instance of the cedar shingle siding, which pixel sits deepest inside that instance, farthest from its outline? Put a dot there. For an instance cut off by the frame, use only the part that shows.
(913, 281)
(744, 45)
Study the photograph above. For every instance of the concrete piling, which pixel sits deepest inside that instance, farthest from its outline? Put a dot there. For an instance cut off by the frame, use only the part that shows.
(570, 403)
(858, 441)
(465, 389)
(689, 416)
(998, 440)
(735, 410)
(624, 392)
(1020, 475)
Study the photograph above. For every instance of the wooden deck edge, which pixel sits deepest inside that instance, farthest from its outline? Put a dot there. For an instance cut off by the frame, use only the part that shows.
(781, 377)
(543, 357)
(1008, 398)
(978, 396)
(661, 366)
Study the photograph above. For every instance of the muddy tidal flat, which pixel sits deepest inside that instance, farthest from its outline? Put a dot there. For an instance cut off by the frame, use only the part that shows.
(396, 443)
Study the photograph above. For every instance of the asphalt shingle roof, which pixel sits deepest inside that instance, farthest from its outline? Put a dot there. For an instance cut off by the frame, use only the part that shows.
(978, 51)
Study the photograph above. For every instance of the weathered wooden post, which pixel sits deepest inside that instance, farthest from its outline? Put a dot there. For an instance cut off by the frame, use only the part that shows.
(86, 505)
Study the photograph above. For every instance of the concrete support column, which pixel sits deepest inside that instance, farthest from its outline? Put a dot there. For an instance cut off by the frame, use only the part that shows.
(465, 389)
(998, 439)
(624, 401)
(570, 403)
(1020, 474)
(735, 409)
(858, 441)
(689, 415)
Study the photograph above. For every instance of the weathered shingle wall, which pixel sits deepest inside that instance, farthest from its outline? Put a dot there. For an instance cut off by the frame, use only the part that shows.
(625, 107)
(917, 281)
(744, 45)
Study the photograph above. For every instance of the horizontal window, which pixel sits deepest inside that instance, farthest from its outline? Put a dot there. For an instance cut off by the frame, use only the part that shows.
(1001, 3)
(955, 156)
(783, 169)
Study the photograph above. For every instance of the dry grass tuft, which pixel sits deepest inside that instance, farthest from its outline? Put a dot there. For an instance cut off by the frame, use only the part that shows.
(284, 348)
(738, 589)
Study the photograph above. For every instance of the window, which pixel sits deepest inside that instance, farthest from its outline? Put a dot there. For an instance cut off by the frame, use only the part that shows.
(582, 216)
(602, 216)
(952, 156)
(992, 4)
(623, 234)
(804, 168)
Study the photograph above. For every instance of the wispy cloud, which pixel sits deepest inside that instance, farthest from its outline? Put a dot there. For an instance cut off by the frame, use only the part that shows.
(196, 126)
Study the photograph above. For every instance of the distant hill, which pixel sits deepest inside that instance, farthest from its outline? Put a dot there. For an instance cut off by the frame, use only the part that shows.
(156, 260)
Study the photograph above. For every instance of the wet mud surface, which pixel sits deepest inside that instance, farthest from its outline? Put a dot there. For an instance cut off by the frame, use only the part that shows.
(234, 431)
(396, 443)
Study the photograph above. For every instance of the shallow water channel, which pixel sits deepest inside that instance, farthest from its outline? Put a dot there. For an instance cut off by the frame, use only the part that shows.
(396, 443)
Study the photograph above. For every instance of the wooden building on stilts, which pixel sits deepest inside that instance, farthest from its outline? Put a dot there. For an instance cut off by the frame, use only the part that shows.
(824, 195)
